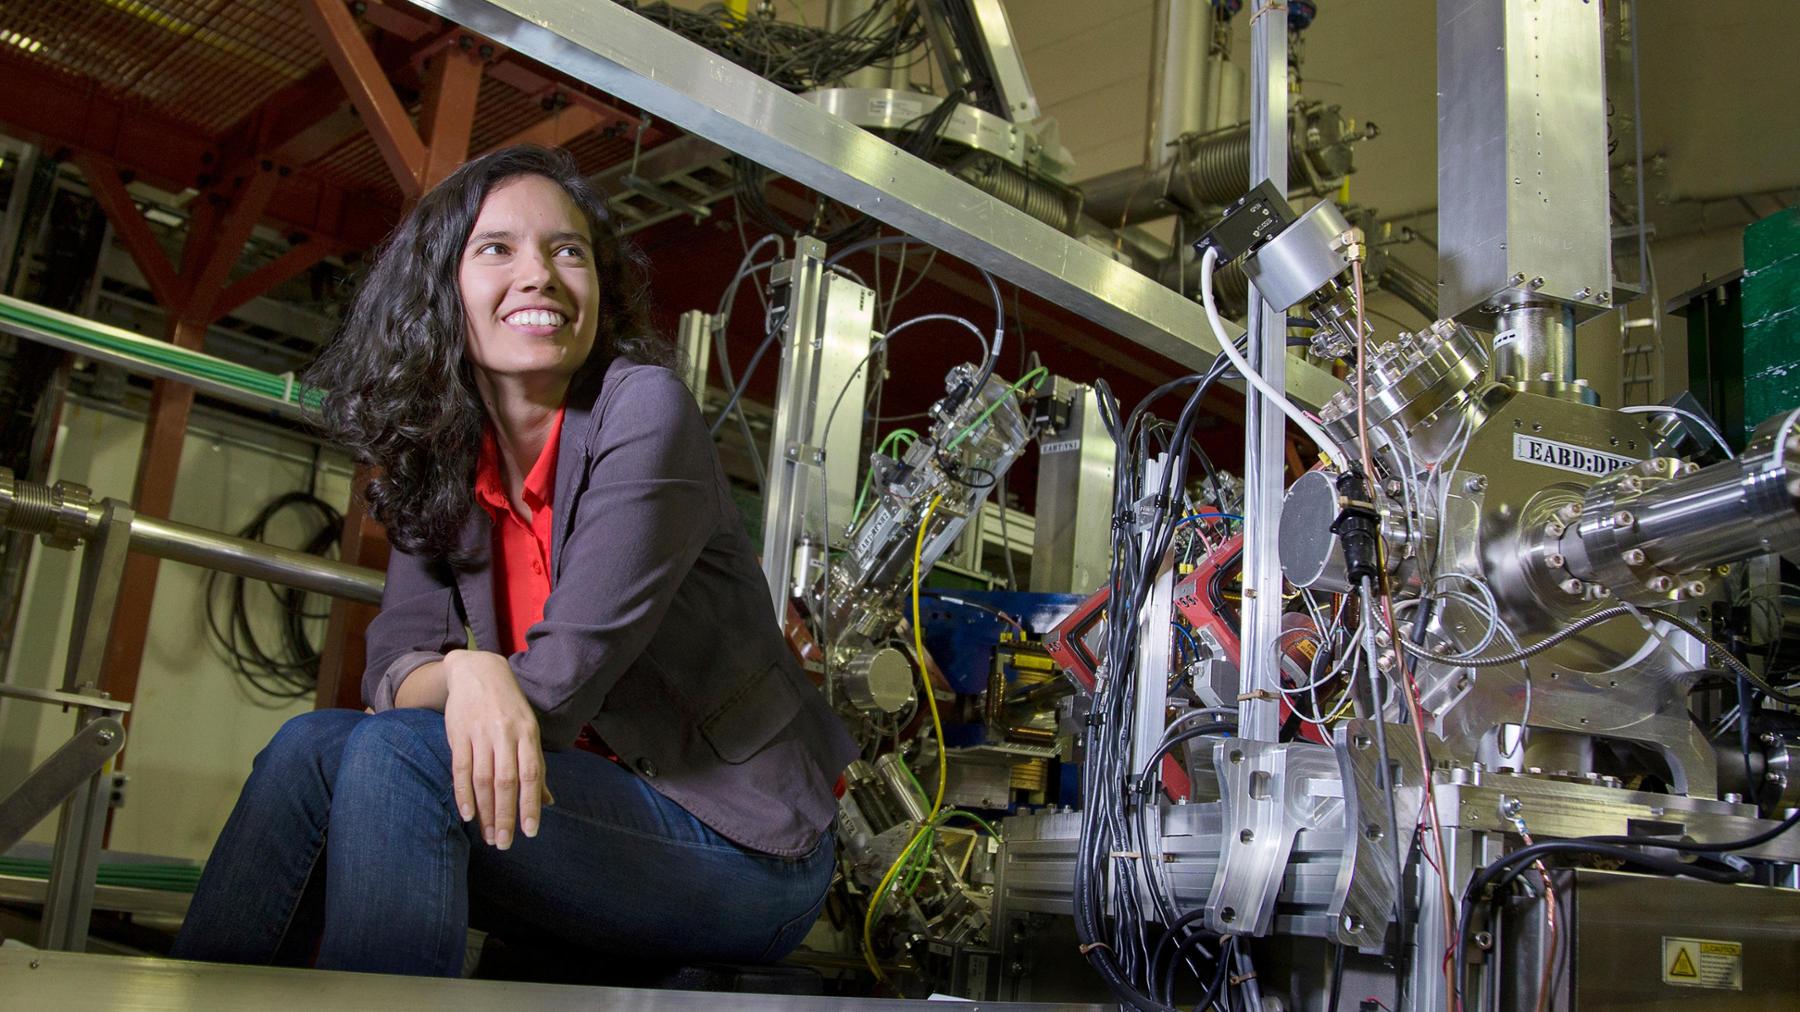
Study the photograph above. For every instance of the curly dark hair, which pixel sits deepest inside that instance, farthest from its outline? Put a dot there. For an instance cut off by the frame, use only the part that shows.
(399, 391)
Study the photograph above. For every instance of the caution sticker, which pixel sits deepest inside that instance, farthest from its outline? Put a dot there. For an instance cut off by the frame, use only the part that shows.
(1703, 962)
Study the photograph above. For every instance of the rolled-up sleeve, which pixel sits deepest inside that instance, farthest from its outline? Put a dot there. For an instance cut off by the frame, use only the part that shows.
(648, 506)
(418, 623)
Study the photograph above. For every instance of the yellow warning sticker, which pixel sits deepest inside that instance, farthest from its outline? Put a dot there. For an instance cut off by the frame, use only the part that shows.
(1703, 962)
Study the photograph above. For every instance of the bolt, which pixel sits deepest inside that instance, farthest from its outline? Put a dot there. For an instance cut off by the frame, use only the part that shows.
(1623, 518)
(1386, 661)
(1634, 556)
(1484, 940)
(1555, 560)
(1603, 298)
(1571, 587)
(1630, 485)
(1568, 513)
(105, 736)
(1518, 279)
(1695, 588)
(1554, 529)
(1583, 293)
(1476, 483)
(1537, 282)
(1660, 584)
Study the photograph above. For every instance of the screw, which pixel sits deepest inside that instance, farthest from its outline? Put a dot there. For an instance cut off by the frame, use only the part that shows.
(1623, 518)
(1696, 588)
(1634, 556)
(1537, 282)
(1477, 483)
(1568, 513)
(1603, 298)
(106, 736)
(1554, 560)
(1571, 587)
(1554, 529)
(1630, 485)
(1484, 940)
(1518, 279)
(1584, 293)
(1660, 584)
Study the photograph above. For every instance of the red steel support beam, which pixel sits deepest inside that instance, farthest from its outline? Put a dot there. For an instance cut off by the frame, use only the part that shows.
(366, 81)
(448, 114)
(133, 231)
(265, 278)
(228, 242)
(558, 128)
(344, 653)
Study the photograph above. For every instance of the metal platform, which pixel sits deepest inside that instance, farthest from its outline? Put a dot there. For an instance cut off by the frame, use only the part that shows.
(72, 982)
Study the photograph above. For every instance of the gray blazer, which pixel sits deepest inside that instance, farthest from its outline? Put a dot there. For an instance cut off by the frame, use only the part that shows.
(658, 629)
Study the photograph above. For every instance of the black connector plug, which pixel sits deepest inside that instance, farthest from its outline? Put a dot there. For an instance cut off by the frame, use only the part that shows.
(1251, 220)
(1358, 527)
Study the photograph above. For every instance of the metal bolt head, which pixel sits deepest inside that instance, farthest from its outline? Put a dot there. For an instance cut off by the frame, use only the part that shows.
(1511, 807)
(1476, 483)
(1537, 282)
(1628, 484)
(1660, 584)
(105, 736)
(1571, 587)
(1695, 588)
(1554, 529)
(1623, 518)
(1555, 560)
(1583, 293)
(1518, 279)
(1634, 556)
(1569, 512)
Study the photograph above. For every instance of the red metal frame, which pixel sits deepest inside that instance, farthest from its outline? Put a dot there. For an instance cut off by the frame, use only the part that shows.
(367, 84)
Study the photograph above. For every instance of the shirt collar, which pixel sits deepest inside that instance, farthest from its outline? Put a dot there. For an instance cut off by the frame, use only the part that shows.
(540, 483)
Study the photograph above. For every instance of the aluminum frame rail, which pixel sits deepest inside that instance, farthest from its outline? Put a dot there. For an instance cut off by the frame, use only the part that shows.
(665, 75)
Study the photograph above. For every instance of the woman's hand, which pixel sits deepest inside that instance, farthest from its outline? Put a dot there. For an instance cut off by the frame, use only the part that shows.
(496, 760)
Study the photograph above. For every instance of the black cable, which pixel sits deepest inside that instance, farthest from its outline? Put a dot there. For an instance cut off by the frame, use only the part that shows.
(1337, 977)
(290, 670)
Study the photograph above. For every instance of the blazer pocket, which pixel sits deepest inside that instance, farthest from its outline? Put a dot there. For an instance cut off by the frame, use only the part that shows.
(755, 711)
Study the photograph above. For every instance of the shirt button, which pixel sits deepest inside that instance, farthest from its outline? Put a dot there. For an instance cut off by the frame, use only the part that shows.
(646, 767)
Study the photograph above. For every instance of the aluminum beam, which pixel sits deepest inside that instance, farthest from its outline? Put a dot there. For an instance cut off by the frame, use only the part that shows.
(639, 62)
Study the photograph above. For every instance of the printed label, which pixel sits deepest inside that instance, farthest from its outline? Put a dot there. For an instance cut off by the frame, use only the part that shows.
(1506, 339)
(1703, 962)
(896, 108)
(1566, 457)
(1060, 447)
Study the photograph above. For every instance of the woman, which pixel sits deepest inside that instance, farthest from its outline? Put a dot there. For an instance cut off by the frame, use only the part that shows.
(568, 570)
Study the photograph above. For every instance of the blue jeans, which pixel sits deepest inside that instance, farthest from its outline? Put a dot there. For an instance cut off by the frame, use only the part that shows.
(346, 838)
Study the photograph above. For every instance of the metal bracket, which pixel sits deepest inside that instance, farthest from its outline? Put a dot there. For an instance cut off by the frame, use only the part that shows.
(54, 779)
(1370, 877)
(1265, 787)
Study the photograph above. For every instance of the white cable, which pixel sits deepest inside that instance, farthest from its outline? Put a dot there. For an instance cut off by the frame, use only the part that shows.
(1781, 438)
(1663, 409)
(1251, 376)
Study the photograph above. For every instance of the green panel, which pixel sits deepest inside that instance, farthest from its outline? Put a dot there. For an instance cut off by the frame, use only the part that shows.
(1771, 316)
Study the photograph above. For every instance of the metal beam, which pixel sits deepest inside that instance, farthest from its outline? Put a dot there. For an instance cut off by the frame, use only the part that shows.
(675, 80)
(263, 279)
(128, 224)
(448, 112)
(366, 81)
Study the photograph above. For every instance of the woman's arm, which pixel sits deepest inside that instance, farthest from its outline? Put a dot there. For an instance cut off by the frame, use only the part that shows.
(650, 505)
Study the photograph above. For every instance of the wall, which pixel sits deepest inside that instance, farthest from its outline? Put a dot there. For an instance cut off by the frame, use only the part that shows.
(195, 727)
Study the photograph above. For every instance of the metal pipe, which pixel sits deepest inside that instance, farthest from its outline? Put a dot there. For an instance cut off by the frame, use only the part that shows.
(840, 15)
(66, 514)
(1178, 75)
(1715, 516)
(1534, 341)
(198, 546)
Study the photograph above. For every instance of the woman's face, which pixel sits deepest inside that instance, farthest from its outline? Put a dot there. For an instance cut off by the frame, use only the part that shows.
(528, 284)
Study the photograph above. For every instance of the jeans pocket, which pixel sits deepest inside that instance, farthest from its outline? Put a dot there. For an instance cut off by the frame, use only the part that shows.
(789, 936)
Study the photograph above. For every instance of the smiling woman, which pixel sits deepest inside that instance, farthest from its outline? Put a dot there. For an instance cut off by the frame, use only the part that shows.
(584, 723)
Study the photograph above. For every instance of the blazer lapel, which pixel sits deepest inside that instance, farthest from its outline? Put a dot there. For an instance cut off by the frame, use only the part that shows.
(581, 419)
(476, 584)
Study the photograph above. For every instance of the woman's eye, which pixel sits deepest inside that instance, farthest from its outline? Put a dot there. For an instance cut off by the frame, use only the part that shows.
(490, 247)
(572, 251)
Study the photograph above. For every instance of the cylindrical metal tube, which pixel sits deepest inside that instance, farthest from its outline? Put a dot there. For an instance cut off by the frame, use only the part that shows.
(1730, 511)
(902, 786)
(843, 14)
(198, 546)
(1535, 341)
(1178, 75)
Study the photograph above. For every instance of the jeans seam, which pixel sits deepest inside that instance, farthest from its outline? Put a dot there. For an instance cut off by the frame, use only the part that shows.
(312, 867)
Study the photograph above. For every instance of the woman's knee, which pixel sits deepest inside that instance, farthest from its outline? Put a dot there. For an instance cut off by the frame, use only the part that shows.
(308, 740)
(397, 743)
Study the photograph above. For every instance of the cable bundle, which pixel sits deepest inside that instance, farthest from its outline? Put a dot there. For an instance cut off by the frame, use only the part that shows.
(290, 670)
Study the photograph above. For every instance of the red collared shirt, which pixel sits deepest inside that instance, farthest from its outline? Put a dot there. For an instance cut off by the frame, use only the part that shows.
(521, 547)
